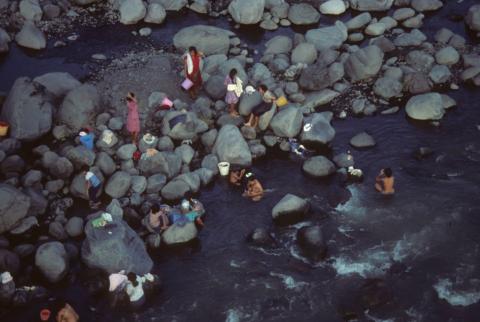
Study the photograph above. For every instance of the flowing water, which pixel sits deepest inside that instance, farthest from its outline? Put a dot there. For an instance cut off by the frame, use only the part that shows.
(424, 242)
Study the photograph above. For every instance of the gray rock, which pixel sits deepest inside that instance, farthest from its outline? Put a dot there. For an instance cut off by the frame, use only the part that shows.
(279, 45)
(13, 208)
(328, 37)
(447, 56)
(319, 131)
(420, 60)
(155, 183)
(320, 98)
(115, 208)
(186, 153)
(74, 227)
(287, 122)
(344, 160)
(208, 138)
(51, 11)
(57, 83)
(371, 5)
(403, 14)
(303, 14)
(473, 17)
(425, 107)
(319, 167)
(207, 39)
(440, 74)
(166, 163)
(24, 225)
(27, 111)
(13, 164)
(23, 250)
(230, 146)
(56, 230)
(80, 156)
(387, 87)
(426, 5)
(290, 209)
(52, 260)
(364, 63)
(188, 129)
(155, 13)
(139, 184)
(31, 10)
(4, 40)
(248, 102)
(443, 35)
(305, 53)
(165, 144)
(61, 168)
(359, 21)
(362, 140)
(413, 38)
(318, 77)
(175, 234)
(416, 83)
(215, 87)
(126, 151)
(54, 186)
(118, 184)
(38, 203)
(210, 162)
(9, 261)
(79, 108)
(246, 12)
(172, 5)
(105, 163)
(116, 123)
(311, 241)
(206, 175)
(31, 37)
(175, 190)
(333, 7)
(132, 11)
(114, 248)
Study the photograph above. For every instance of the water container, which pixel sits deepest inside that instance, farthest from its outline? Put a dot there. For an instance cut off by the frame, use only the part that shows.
(3, 128)
(187, 84)
(224, 168)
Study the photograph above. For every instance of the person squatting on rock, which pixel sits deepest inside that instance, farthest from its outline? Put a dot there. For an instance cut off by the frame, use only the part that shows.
(254, 188)
(157, 220)
(92, 186)
(268, 99)
(133, 120)
(234, 90)
(384, 182)
(87, 138)
(192, 62)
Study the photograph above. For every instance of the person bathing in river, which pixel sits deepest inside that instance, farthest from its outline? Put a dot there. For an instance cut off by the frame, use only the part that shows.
(234, 91)
(384, 182)
(133, 120)
(236, 176)
(135, 291)
(67, 314)
(254, 189)
(192, 62)
(267, 100)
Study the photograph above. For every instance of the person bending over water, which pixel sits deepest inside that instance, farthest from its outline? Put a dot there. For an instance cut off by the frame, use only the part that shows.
(135, 291)
(236, 176)
(384, 182)
(254, 189)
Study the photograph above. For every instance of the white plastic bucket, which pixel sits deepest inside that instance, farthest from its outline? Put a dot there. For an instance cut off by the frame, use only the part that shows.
(224, 168)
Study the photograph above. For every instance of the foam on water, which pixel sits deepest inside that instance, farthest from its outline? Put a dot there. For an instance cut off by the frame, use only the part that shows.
(233, 315)
(354, 206)
(449, 292)
(289, 282)
(374, 319)
(373, 262)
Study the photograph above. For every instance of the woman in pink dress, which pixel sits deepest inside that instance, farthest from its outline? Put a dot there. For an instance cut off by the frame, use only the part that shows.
(133, 120)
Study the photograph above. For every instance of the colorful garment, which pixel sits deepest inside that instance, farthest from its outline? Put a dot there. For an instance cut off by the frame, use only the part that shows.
(133, 120)
(193, 70)
(231, 97)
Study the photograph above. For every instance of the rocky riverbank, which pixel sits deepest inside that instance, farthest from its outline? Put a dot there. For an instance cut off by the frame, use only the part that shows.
(365, 66)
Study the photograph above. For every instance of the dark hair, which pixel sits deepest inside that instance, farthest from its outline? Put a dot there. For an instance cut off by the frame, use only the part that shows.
(132, 277)
(194, 49)
(388, 172)
(130, 98)
(232, 74)
(85, 168)
(155, 208)
(263, 87)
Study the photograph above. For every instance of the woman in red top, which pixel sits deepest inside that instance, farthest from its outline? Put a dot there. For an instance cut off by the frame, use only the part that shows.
(192, 70)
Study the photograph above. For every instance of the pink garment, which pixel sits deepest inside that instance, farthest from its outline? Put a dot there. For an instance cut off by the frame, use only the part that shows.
(133, 121)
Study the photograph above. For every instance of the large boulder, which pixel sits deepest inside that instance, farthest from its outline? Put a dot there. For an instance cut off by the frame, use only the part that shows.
(279, 45)
(328, 37)
(387, 87)
(311, 241)
(132, 11)
(14, 206)
(318, 131)
(427, 106)
(230, 146)
(319, 76)
(31, 10)
(364, 63)
(207, 39)
(290, 209)
(246, 12)
(362, 140)
(166, 163)
(31, 37)
(57, 83)
(287, 122)
(27, 111)
(333, 7)
(172, 5)
(118, 184)
(79, 108)
(303, 14)
(319, 166)
(371, 5)
(447, 56)
(473, 17)
(248, 102)
(52, 260)
(155, 13)
(182, 126)
(305, 53)
(114, 248)
(180, 234)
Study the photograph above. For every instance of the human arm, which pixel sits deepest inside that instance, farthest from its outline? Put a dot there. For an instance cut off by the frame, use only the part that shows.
(256, 190)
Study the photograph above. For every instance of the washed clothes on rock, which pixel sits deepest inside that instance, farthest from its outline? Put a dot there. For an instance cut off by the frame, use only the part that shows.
(232, 95)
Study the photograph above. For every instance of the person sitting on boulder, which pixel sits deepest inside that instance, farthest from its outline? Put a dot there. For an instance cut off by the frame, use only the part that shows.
(268, 99)
(135, 291)
(236, 176)
(189, 212)
(384, 182)
(254, 189)
(93, 185)
(86, 138)
(157, 218)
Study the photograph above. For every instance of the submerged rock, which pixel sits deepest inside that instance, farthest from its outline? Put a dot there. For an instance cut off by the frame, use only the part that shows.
(362, 140)
(318, 166)
(290, 209)
(175, 234)
(260, 237)
(115, 247)
(311, 241)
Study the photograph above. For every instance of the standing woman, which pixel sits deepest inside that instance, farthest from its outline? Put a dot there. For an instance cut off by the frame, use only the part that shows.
(233, 84)
(192, 62)
(133, 120)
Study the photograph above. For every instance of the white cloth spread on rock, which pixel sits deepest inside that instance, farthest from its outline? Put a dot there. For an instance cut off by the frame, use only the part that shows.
(238, 87)
(189, 63)
(135, 293)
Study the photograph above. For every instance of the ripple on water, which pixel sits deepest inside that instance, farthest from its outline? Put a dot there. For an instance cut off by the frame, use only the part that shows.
(456, 295)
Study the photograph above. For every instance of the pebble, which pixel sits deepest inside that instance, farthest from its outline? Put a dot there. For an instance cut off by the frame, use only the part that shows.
(99, 57)
(454, 86)
(145, 32)
(73, 37)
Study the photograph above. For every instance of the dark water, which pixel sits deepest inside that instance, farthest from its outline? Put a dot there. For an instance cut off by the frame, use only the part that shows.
(424, 243)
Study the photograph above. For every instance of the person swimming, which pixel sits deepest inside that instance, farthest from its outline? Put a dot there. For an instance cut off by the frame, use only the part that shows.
(384, 182)
(254, 188)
